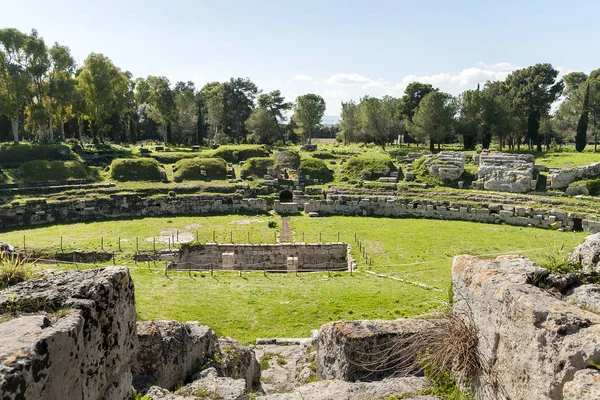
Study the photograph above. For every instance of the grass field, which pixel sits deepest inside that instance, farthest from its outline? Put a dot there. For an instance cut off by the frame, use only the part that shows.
(417, 251)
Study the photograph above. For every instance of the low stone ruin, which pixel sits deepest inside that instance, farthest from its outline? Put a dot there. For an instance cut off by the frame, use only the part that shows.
(514, 173)
(562, 178)
(447, 165)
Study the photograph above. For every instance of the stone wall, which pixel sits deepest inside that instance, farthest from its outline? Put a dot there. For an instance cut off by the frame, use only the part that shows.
(309, 256)
(389, 206)
(561, 178)
(503, 172)
(37, 212)
(74, 337)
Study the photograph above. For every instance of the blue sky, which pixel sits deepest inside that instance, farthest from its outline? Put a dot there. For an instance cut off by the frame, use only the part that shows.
(339, 49)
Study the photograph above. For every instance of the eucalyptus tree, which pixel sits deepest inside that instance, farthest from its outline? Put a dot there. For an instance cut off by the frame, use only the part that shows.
(350, 122)
(308, 112)
(103, 88)
(239, 96)
(186, 113)
(15, 89)
(61, 87)
(377, 120)
(162, 100)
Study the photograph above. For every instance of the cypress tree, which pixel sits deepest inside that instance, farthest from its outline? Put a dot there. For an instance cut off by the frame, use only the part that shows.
(581, 138)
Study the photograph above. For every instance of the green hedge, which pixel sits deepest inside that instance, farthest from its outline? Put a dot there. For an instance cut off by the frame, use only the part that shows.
(355, 165)
(234, 154)
(135, 169)
(317, 169)
(258, 166)
(42, 170)
(17, 154)
(216, 168)
(288, 159)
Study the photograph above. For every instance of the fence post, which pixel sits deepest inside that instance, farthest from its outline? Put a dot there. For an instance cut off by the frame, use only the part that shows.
(231, 236)
(119, 243)
(354, 237)
(197, 239)
(177, 233)
(137, 245)
(211, 269)
(320, 237)
(154, 243)
(338, 237)
(214, 237)
(302, 237)
(61, 246)
(248, 237)
(102, 243)
(169, 240)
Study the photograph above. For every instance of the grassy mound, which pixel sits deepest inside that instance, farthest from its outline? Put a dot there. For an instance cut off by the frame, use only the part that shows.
(287, 159)
(258, 166)
(216, 168)
(323, 155)
(138, 169)
(593, 185)
(369, 161)
(316, 169)
(172, 158)
(42, 170)
(17, 154)
(234, 154)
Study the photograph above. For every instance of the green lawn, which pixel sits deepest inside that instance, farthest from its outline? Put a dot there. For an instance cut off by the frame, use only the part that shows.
(281, 305)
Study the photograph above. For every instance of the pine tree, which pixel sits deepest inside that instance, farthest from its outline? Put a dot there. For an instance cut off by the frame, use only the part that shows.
(581, 138)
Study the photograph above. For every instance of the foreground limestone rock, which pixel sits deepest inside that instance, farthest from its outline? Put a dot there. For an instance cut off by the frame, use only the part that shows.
(209, 386)
(533, 342)
(82, 350)
(587, 254)
(354, 350)
(170, 352)
(407, 388)
(585, 386)
(239, 361)
(502, 172)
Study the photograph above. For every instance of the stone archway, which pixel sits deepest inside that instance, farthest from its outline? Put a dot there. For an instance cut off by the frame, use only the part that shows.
(286, 196)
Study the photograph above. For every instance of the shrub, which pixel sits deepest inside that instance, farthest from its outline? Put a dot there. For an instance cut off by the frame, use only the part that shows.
(234, 154)
(16, 154)
(355, 165)
(136, 169)
(13, 269)
(316, 169)
(41, 170)
(258, 166)
(216, 168)
(323, 155)
(287, 159)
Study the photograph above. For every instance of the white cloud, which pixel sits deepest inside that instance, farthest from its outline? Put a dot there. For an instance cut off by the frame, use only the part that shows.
(302, 77)
(348, 79)
(469, 76)
(432, 79)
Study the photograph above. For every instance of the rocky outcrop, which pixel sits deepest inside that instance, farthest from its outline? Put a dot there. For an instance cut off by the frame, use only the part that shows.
(585, 386)
(502, 172)
(405, 388)
(562, 178)
(587, 254)
(533, 342)
(586, 297)
(208, 385)
(170, 352)
(239, 362)
(73, 336)
(447, 165)
(354, 350)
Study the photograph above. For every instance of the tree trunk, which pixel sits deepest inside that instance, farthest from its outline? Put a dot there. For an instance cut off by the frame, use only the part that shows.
(431, 145)
(62, 130)
(165, 133)
(309, 136)
(15, 128)
(50, 128)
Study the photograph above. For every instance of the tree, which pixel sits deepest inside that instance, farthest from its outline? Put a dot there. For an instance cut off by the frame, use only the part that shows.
(581, 138)
(413, 94)
(16, 79)
(262, 127)
(103, 88)
(61, 87)
(186, 112)
(239, 95)
(533, 90)
(162, 100)
(213, 96)
(377, 119)
(470, 118)
(350, 121)
(434, 118)
(308, 113)
(275, 104)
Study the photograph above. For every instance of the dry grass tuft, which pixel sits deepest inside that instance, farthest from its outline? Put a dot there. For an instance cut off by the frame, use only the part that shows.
(14, 269)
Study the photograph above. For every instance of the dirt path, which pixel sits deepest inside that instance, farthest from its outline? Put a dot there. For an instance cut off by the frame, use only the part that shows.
(285, 233)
